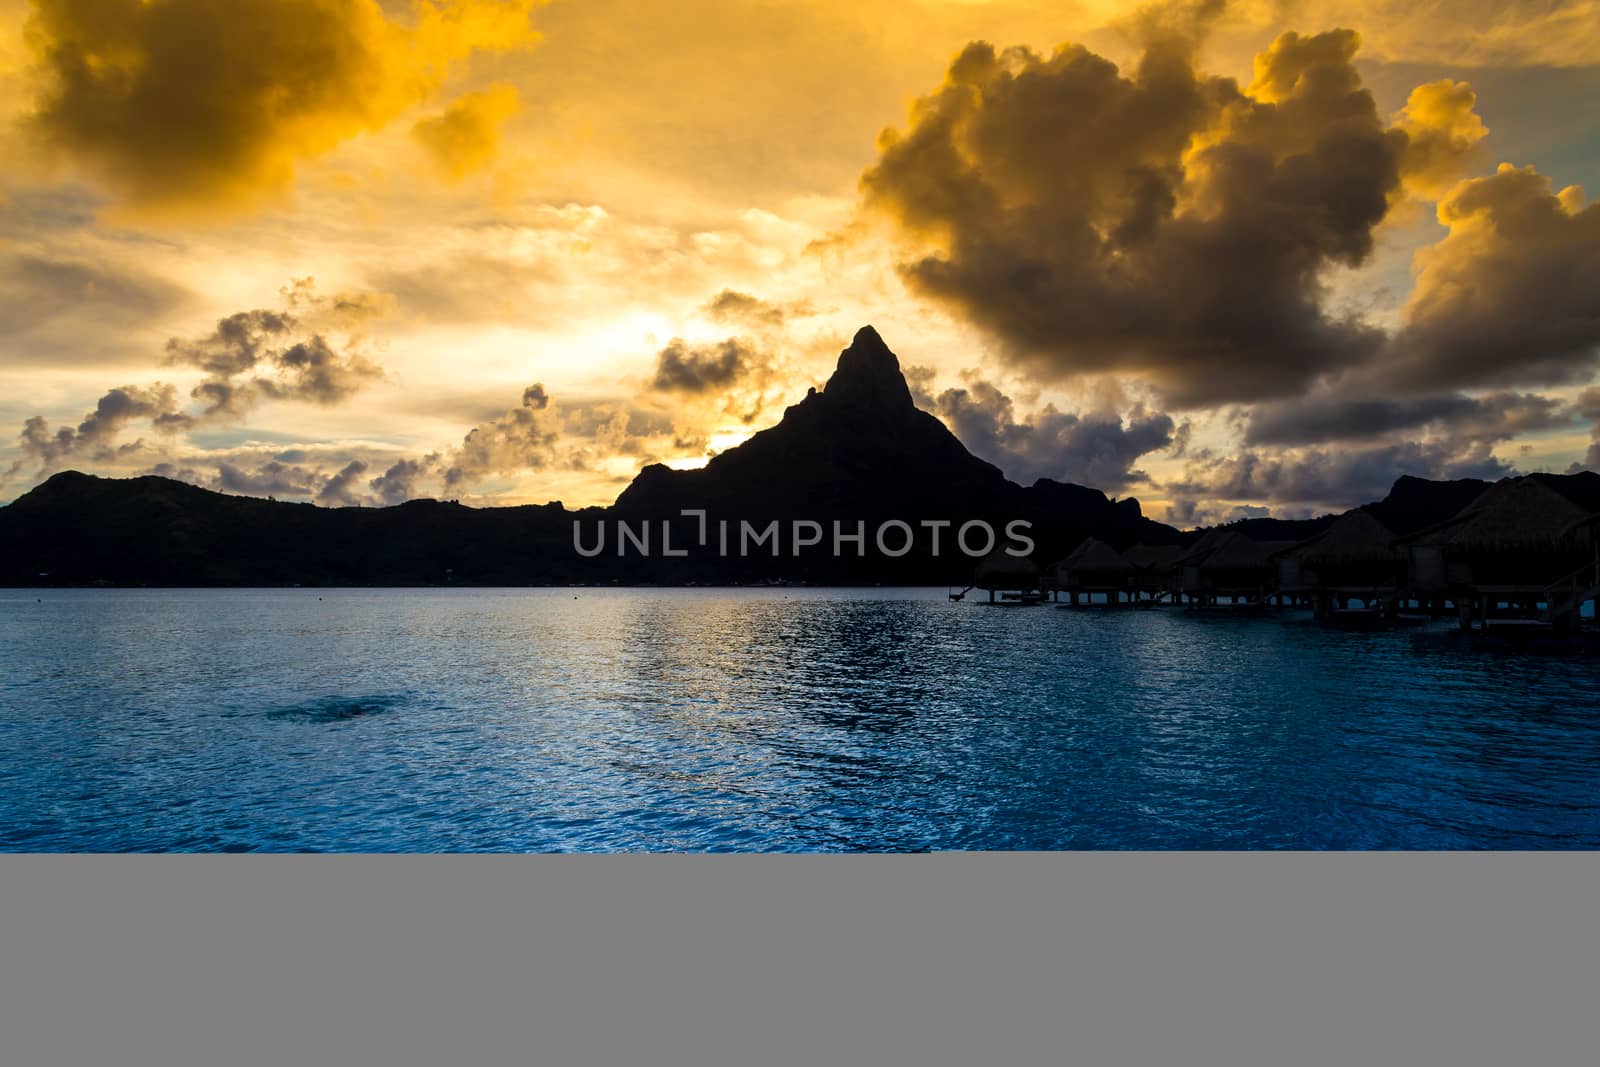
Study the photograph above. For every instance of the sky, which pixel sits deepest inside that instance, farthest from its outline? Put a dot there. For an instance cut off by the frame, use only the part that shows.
(1231, 258)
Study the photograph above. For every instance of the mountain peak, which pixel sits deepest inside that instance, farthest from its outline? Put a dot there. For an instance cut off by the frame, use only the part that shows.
(868, 376)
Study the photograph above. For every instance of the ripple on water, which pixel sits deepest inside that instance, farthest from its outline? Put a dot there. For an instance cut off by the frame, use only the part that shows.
(462, 720)
(336, 709)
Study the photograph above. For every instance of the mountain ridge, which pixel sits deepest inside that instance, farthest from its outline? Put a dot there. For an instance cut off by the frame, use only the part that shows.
(858, 451)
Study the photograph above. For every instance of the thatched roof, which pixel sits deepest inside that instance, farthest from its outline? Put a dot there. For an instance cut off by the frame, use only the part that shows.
(1513, 513)
(1001, 570)
(1355, 537)
(1153, 557)
(1203, 547)
(1094, 555)
(1235, 552)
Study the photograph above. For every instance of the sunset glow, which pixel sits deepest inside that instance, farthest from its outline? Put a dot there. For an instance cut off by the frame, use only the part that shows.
(1221, 257)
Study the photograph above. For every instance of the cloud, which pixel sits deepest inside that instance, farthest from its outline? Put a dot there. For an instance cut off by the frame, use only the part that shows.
(535, 435)
(273, 478)
(1497, 33)
(314, 370)
(465, 137)
(1321, 418)
(686, 368)
(520, 440)
(294, 473)
(284, 353)
(1507, 297)
(614, 429)
(39, 288)
(1161, 222)
(730, 305)
(1588, 406)
(96, 435)
(1329, 479)
(1334, 451)
(1443, 131)
(401, 482)
(188, 104)
(1096, 448)
(249, 357)
(339, 491)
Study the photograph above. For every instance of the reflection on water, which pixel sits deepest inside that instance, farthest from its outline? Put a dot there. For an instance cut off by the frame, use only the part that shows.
(764, 720)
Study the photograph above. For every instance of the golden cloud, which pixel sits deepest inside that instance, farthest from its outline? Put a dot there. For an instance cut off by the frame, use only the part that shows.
(465, 138)
(1161, 221)
(1443, 130)
(187, 105)
(1507, 297)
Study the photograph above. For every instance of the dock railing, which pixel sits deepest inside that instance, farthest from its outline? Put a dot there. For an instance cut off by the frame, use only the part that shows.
(1565, 596)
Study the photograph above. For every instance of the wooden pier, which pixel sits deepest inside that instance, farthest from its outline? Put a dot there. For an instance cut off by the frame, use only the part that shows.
(1519, 563)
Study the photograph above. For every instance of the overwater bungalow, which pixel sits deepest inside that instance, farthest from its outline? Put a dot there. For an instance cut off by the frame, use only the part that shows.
(1155, 573)
(1227, 565)
(1353, 560)
(1092, 569)
(1523, 552)
(1015, 580)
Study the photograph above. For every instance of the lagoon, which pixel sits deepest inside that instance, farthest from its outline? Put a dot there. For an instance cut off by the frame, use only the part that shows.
(553, 720)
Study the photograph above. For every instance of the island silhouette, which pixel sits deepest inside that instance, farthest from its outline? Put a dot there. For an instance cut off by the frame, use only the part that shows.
(859, 453)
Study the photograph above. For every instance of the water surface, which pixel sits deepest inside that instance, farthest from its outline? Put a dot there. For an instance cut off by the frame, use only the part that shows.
(781, 719)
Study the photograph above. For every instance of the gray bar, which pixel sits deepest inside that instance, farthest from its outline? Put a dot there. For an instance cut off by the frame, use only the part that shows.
(965, 959)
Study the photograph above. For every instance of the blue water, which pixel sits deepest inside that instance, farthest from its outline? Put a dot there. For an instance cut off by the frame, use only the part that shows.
(785, 719)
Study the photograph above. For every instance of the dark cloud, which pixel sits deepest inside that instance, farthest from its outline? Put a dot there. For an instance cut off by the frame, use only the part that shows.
(919, 380)
(1097, 449)
(181, 103)
(296, 474)
(1588, 407)
(1319, 418)
(1160, 222)
(1330, 478)
(94, 438)
(612, 429)
(268, 479)
(535, 435)
(282, 357)
(181, 473)
(1183, 513)
(730, 305)
(520, 440)
(401, 481)
(248, 357)
(685, 368)
(339, 490)
(237, 345)
(1333, 452)
(314, 370)
(1508, 297)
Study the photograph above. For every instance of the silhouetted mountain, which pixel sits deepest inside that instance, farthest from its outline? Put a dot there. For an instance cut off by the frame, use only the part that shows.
(861, 451)
(1412, 504)
(1416, 503)
(76, 529)
(1582, 488)
(858, 453)
(1269, 529)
